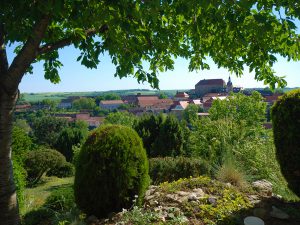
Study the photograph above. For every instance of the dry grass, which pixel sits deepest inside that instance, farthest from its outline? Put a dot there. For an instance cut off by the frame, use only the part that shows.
(228, 173)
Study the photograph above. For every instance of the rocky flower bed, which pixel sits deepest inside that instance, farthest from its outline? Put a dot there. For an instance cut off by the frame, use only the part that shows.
(205, 201)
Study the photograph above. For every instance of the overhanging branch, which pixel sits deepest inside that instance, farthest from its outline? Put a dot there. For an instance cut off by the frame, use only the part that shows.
(69, 40)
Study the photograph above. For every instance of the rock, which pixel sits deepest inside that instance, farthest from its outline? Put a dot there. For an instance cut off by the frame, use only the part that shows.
(279, 214)
(260, 212)
(263, 186)
(192, 197)
(182, 193)
(254, 199)
(199, 192)
(149, 197)
(252, 220)
(212, 200)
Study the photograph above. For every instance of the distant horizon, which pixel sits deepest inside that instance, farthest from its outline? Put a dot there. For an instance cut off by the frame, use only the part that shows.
(77, 78)
(136, 89)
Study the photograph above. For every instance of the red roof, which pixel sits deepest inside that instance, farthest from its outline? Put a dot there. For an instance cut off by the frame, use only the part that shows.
(181, 95)
(272, 98)
(111, 102)
(220, 82)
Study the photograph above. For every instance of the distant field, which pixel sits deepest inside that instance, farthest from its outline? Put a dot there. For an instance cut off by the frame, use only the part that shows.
(35, 97)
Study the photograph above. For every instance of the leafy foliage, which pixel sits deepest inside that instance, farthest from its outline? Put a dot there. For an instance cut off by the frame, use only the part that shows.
(162, 135)
(121, 118)
(20, 181)
(190, 114)
(21, 144)
(61, 199)
(65, 170)
(170, 139)
(285, 117)
(239, 107)
(35, 216)
(46, 129)
(148, 128)
(40, 161)
(171, 169)
(116, 156)
(68, 137)
(84, 104)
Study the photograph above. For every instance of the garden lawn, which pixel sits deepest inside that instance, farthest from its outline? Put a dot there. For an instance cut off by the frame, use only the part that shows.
(36, 197)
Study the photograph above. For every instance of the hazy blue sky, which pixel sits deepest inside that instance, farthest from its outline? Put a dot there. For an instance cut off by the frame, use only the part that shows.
(75, 77)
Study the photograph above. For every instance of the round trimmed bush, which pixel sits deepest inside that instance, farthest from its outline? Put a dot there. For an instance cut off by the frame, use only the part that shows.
(40, 161)
(286, 123)
(65, 170)
(112, 168)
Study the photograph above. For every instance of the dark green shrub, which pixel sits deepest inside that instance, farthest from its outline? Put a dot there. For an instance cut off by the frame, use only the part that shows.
(286, 124)
(68, 137)
(38, 217)
(66, 170)
(61, 199)
(20, 181)
(112, 168)
(162, 135)
(171, 169)
(40, 161)
(170, 139)
(148, 128)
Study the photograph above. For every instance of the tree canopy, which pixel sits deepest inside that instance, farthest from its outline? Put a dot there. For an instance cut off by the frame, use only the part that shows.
(232, 34)
(239, 107)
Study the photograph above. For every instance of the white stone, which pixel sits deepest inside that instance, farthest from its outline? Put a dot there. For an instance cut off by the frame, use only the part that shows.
(252, 220)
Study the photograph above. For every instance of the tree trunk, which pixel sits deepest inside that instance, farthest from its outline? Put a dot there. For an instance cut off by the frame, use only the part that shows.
(9, 211)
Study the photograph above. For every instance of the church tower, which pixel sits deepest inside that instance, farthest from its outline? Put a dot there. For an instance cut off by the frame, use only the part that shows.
(229, 86)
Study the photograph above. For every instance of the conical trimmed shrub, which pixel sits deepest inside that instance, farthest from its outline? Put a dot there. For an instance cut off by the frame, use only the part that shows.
(112, 169)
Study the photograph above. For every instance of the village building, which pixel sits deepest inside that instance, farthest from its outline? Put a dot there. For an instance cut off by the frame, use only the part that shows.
(111, 104)
(22, 107)
(92, 121)
(209, 86)
(181, 96)
(178, 107)
(67, 103)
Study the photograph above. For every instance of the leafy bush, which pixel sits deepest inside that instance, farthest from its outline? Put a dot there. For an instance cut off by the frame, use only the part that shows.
(148, 128)
(171, 169)
(20, 181)
(61, 199)
(68, 137)
(21, 143)
(46, 129)
(112, 168)
(239, 107)
(66, 170)
(285, 117)
(38, 217)
(170, 139)
(162, 135)
(40, 161)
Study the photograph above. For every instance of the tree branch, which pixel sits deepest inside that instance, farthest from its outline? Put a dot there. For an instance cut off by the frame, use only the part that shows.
(3, 56)
(69, 40)
(26, 56)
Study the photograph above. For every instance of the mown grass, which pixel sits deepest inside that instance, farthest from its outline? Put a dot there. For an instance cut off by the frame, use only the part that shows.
(36, 197)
